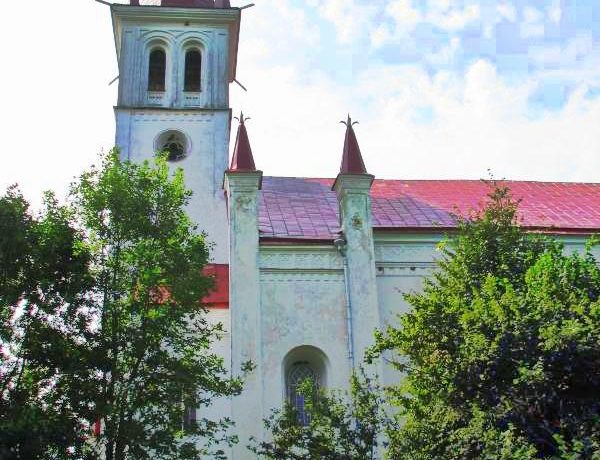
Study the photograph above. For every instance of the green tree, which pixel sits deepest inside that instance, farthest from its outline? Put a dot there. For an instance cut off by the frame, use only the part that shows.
(501, 350)
(153, 333)
(103, 320)
(44, 276)
(335, 425)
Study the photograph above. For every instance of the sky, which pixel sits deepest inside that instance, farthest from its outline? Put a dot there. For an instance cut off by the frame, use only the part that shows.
(441, 88)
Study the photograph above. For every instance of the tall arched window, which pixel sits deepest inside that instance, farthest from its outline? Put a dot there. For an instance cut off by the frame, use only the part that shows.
(193, 71)
(157, 70)
(299, 373)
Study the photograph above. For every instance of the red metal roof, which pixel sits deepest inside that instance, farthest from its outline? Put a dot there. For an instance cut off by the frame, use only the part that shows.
(306, 208)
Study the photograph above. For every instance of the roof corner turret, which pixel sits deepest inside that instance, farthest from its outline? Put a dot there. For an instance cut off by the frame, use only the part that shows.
(352, 161)
(242, 159)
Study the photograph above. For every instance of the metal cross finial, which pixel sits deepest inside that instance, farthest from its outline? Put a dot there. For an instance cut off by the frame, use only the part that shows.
(349, 123)
(241, 118)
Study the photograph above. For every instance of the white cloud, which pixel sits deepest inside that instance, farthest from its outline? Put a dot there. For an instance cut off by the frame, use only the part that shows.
(532, 25)
(57, 104)
(405, 16)
(555, 11)
(506, 10)
(350, 18)
(532, 15)
(479, 122)
(574, 60)
(380, 35)
(454, 19)
(440, 13)
(446, 55)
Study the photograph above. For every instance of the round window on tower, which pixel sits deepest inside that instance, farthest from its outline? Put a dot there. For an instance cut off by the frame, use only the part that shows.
(174, 143)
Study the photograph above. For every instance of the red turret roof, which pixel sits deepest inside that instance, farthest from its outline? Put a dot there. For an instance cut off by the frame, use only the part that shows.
(352, 162)
(242, 159)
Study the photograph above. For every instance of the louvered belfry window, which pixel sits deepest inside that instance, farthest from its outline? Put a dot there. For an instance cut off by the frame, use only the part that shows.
(157, 70)
(193, 71)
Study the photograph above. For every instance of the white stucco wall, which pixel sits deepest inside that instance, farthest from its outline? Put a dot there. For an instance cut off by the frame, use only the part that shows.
(204, 164)
(221, 407)
(302, 304)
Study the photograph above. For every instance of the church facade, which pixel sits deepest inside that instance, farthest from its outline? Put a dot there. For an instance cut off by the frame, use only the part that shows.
(306, 269)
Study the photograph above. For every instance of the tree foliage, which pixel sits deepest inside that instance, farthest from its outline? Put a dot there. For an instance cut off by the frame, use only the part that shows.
(341, 426)
(501, 350)
(44, 275)
(102, 303)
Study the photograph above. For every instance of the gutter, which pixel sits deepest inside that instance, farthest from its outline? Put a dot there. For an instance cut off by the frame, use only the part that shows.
(341, 246)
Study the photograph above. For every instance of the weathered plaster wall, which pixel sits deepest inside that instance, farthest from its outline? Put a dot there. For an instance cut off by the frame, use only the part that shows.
(302, 304)
(244, 300)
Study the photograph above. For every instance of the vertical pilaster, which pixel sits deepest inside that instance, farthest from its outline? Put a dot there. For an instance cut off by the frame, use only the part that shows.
(355, 219)
(244, 301)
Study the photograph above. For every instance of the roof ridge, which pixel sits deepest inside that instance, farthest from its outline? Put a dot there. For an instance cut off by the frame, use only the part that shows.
(517, 181)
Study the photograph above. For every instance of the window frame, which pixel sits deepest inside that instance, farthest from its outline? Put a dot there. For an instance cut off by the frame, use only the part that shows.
(294, 382)
(163, 87)
(187, 52)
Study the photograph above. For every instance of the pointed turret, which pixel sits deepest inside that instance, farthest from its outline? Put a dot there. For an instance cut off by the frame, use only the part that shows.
(352, 161)
(242, 159)
(352, 188)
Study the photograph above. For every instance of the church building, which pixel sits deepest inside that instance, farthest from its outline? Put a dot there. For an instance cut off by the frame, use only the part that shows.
(306, 268)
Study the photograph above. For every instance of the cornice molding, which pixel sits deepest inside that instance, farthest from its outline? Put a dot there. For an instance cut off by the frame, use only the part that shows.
(168, 14)
(353, 183)
(242, 181)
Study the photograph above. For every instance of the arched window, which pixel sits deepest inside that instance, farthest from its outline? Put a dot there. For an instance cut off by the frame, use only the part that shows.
(302, 363)
(298, 374)
(157, 70)
(193, 71)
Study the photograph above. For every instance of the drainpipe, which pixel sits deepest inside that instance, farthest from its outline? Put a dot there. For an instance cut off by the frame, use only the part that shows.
(340, 245)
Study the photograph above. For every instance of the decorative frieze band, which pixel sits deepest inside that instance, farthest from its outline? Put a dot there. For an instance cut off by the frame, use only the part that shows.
(294, 276)
(405, 269)
(320, 259)
(406, 252)
(179, 117)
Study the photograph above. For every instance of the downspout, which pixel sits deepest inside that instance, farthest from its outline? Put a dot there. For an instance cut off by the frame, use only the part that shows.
(340, 245)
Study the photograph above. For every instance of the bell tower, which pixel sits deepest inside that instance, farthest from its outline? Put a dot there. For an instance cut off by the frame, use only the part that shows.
(176, 60)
